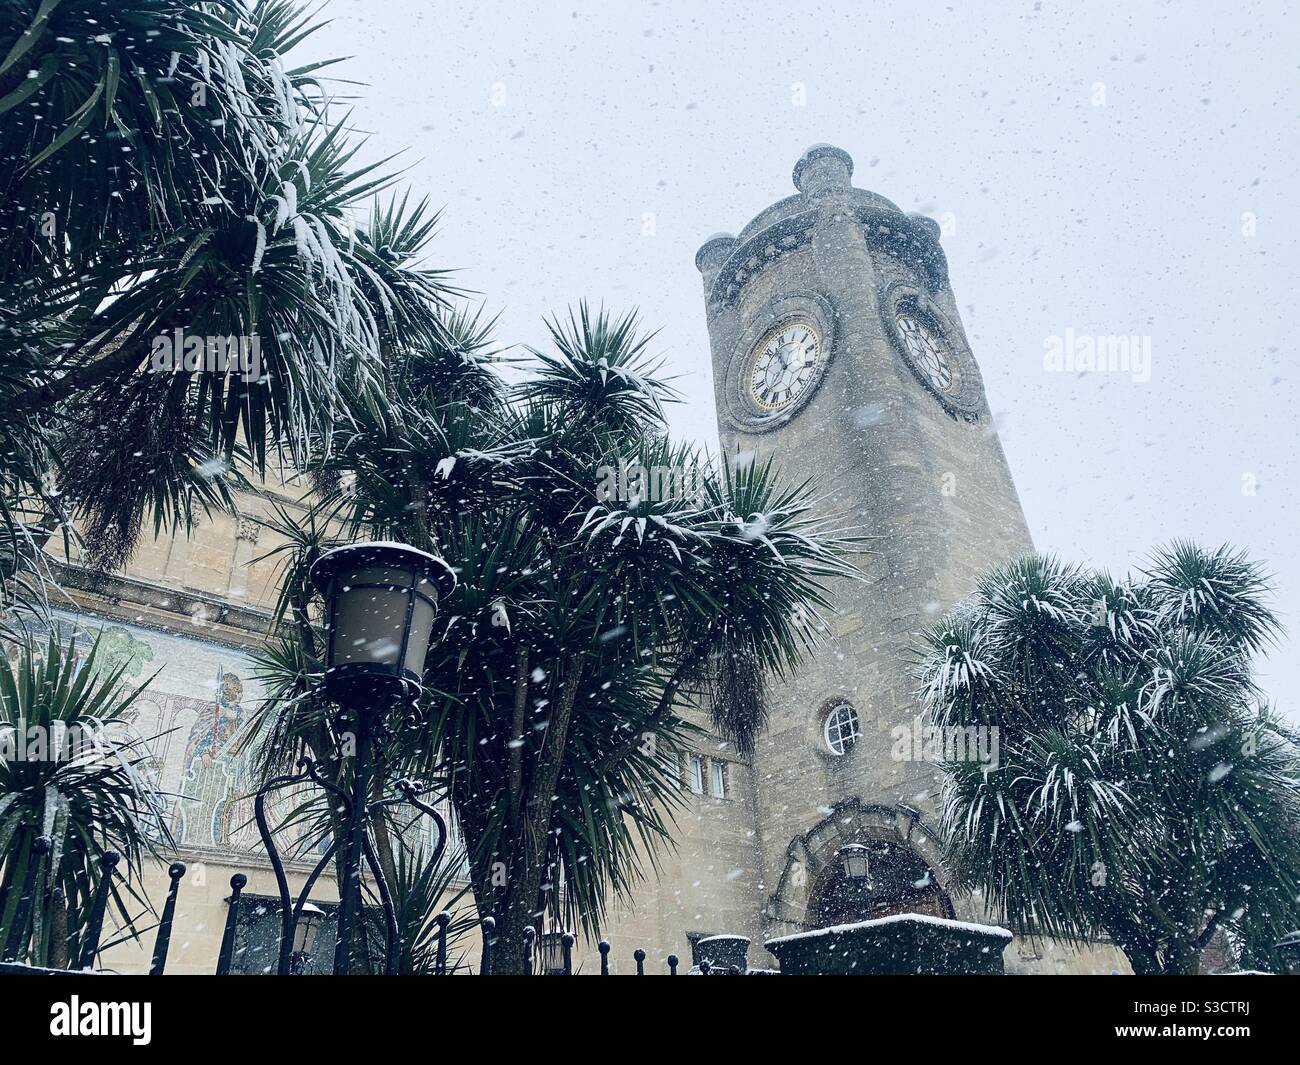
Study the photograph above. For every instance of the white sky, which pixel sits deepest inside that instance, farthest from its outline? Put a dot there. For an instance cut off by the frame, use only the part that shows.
(1117, 219)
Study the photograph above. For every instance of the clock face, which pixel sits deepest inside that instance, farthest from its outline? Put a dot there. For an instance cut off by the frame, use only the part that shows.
(929, 352)
(784, 364)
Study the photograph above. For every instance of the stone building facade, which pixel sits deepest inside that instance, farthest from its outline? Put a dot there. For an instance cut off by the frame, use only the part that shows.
(838, 349)
(186, 616)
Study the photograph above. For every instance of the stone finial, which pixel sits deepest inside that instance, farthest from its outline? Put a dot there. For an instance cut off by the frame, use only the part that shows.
(823, 166)
(713, 253)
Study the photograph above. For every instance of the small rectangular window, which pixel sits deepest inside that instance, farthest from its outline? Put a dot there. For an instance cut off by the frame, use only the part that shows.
(697, 774)
(718, 779)
(672, 767)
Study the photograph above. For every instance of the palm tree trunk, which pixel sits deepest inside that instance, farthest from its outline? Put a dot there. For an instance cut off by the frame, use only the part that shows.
(1141, 952)
(510, 952)
(1143, 962)
(58, 930)
(529, 844)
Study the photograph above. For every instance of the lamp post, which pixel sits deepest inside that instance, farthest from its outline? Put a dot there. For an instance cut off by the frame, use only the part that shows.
(381, 600)
(380, 603)
(304, 937)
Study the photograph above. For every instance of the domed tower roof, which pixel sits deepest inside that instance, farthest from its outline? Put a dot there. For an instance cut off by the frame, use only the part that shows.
(823, 177)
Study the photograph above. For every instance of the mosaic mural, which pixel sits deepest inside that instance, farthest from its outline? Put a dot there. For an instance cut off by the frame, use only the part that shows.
(194, 709)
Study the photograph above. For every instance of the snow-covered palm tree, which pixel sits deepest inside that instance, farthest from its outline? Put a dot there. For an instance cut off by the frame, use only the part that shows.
(583, 622)
(1143, 791)
(75, 782)
(165, 175)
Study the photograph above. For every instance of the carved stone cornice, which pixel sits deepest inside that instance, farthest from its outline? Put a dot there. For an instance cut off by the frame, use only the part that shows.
(155, 606)
(749, 257)
(911, 238)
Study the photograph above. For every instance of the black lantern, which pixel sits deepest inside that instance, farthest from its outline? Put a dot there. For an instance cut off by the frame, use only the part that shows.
(853, 857)
(380, 603)
(304, 936)
(555, 954)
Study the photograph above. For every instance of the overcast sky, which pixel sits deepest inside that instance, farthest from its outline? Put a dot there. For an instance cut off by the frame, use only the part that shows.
(1123, 173)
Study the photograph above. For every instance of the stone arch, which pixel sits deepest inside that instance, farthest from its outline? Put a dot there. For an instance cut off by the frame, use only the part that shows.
(813, 858)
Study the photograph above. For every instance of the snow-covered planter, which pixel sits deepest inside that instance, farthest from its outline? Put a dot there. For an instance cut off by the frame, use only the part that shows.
(903, 944)
(722, 952)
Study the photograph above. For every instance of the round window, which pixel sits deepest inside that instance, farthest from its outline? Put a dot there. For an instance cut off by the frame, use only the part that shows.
(840, 728)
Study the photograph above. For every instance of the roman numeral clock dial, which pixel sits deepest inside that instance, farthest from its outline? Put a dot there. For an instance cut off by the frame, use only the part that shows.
(929, 354)
(784, 365)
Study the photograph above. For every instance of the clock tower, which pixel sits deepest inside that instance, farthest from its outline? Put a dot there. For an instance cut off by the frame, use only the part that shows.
(838, 349)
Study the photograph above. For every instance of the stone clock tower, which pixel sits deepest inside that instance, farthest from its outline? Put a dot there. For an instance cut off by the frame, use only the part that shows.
(838, 349)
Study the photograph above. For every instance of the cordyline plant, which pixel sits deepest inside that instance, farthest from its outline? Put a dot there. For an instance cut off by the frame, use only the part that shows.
(73, 771)
(583, 622)
(168, 176)
(1144, 791)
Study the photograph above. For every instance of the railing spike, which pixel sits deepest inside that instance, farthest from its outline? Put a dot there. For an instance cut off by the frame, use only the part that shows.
(489, 925)
(440, 965)
(163, 942)
(224, 959)
(90, 946)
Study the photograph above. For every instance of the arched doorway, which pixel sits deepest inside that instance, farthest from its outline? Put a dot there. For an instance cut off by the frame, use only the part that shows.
(903, 873)
(887, 878)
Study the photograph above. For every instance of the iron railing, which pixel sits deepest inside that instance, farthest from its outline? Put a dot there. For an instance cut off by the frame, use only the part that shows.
(225, 958)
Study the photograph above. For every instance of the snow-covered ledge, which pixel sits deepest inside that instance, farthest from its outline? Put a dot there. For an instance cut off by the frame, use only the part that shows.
(904, 943)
